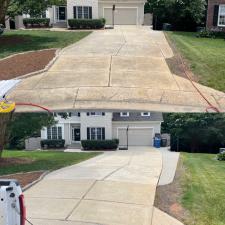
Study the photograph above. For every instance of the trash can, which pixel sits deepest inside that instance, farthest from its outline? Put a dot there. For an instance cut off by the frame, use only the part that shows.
(164, 142)
(167, 27)
(157, 142)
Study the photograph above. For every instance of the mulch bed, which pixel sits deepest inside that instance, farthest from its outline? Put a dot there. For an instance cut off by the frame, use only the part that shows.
(25, 63)
(24, 178)
(168, 196)
(14, 161)
(13, 40)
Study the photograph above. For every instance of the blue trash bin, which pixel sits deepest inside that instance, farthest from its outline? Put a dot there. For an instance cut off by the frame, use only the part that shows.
(157, 142)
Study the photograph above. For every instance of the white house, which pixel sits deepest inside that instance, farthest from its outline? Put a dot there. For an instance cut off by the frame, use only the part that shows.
(127, 12)
(142, 127)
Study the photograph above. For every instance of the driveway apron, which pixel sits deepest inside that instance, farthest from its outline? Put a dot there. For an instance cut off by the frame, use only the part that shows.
(118, 69)
(116, 188)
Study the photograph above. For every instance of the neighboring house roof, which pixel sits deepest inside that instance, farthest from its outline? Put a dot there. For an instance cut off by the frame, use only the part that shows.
(136, 116)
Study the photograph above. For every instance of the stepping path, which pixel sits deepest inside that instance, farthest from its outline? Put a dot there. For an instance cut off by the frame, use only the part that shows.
(116, 188)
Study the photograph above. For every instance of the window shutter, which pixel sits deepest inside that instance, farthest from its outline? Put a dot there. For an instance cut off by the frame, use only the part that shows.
(103, 113)
(74, 12)
(88, 113)
(88, 133)
(90, 12)
(215, 15)
(103, 133)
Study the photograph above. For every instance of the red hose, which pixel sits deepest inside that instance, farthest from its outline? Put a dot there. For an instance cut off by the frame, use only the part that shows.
(203, 96)
(33, 105)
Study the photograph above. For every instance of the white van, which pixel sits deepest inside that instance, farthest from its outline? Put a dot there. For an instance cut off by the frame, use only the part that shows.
(12, 207)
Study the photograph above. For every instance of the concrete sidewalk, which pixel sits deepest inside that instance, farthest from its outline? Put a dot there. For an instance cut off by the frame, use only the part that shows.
(120, 69)
(116, 188)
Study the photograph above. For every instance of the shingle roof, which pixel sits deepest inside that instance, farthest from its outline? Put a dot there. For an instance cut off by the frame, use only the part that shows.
(136, 116)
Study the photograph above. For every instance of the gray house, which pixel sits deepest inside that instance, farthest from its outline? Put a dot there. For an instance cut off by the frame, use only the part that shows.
(142, 127)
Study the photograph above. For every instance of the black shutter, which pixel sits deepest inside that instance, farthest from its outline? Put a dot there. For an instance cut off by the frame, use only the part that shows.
(215, 15)
(74, 12)
(88, 113)
(103, 133)
(88, 133)
(103, 113)
(90, 12)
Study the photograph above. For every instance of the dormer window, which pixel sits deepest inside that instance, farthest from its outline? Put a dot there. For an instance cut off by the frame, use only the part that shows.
(145, 114)
(95, 113)
(124, 114)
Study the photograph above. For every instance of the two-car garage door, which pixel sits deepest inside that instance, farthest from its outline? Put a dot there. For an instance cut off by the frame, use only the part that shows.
(122, 16)
(136, 136)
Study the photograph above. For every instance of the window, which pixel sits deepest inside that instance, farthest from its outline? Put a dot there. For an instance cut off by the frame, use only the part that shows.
(95, 113)
(54, 133)
(145, 114)
(82, 12)
(96, 133)
(221, 17)
(124, 114)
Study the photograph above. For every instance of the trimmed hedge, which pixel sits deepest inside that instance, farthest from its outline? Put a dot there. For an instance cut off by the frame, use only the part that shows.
(36, 22)
(210, 34)
(86, 23)
(52, 143)
(100, 144)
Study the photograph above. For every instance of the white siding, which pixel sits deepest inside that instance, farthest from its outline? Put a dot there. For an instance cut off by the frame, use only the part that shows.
(71, 3)
(138, 6)
(96, 121)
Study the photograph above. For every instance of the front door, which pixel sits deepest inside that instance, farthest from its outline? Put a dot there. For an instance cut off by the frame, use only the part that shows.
(62, 13)
(76, 134)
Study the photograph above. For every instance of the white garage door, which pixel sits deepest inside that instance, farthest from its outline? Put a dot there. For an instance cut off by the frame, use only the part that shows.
(136, 136)
(123, 16)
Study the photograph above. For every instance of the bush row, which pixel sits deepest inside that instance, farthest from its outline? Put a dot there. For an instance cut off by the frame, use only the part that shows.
(52, 143)
(36, 22)
(1, 29)
(100, 144)
(211, 34)
(86, 23)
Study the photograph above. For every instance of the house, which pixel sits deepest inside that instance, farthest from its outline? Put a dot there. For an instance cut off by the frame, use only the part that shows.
(127, 12)
(77, 126)
(216, 15)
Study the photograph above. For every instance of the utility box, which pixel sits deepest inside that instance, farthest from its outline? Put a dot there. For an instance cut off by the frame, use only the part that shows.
(12, 207)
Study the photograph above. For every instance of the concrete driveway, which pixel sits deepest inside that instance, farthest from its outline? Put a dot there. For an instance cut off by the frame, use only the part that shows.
(124, 68)
(116, 188)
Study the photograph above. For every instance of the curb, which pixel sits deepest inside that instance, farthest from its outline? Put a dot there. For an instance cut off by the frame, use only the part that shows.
(36, 181)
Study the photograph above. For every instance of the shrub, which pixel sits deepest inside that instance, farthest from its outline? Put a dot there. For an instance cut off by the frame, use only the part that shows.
(86, 23)
(221, 156)
(210, 34)
(52, 143)
(36, 22)
(100, 144)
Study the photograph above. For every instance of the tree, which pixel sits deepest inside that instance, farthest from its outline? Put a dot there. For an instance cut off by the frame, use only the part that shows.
(196, 132)
(33, 7)
(182, 14)
(4, 119)
(25, 125)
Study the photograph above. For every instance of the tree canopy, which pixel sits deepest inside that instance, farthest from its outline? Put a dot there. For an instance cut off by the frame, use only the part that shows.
(195, 132)
(25, 125)
(33, 7)
(182, 14)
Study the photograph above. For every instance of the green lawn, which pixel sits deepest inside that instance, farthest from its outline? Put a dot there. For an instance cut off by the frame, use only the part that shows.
(205, 55)
(20, 41)
(204, 189)
(49, 160)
